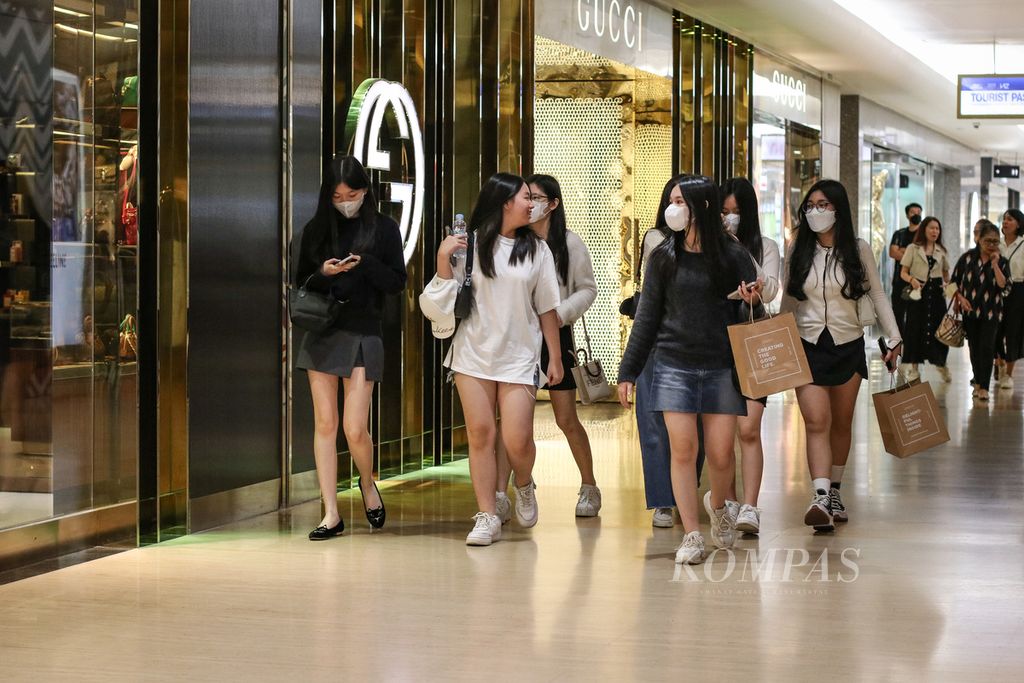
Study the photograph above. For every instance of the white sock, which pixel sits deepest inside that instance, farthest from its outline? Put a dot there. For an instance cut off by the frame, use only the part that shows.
(500, 494)
(821, 484)
(837, 473)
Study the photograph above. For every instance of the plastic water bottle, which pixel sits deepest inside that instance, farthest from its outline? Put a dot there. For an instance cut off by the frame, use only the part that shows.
(459, 227)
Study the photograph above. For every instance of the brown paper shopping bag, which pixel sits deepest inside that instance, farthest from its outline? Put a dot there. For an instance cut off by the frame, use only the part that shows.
(769, 355)
(910, 419)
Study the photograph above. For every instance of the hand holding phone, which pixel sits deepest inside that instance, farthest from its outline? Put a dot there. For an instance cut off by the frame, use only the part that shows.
(887, 356)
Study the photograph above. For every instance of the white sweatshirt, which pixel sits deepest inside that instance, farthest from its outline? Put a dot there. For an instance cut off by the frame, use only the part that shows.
(579, 293)
(826, 307)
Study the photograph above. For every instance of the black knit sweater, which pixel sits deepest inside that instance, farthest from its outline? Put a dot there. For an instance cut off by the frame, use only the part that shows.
(682, 317)
(381, 270)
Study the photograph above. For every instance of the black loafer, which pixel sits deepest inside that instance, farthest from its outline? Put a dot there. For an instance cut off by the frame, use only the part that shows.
(377, 516)
(322, 533)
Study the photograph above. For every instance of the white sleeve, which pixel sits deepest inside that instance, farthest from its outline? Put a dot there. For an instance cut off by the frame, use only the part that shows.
(882, 304)
(545, 286)
(652, 239)
(583, 290)
(770, 269)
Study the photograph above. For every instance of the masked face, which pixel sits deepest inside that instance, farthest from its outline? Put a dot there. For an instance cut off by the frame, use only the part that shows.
(539, 211)
(821, 220)
(915, 219)
(677, 216)
(731, 221)
(350, 209)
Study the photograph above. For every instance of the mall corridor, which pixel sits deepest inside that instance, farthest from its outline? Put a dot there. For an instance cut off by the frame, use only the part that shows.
(923, 583)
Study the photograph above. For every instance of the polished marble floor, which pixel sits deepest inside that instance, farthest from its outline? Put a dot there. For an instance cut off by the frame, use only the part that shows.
(924, 583)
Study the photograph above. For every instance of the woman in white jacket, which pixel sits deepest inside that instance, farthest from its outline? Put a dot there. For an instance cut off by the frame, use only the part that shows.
(578, 291)
(740, 218)
(829, 273)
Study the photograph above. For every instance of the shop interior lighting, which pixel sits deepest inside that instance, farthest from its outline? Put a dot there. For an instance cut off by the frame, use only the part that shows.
(69, 12)
(84, 32)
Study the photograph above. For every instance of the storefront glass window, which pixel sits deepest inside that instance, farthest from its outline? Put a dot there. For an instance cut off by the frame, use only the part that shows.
(68, 256)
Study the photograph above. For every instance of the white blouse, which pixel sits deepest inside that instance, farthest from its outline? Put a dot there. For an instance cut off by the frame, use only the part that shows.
(1014, 253)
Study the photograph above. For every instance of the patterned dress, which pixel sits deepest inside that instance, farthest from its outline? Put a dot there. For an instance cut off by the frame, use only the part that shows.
(977, 283)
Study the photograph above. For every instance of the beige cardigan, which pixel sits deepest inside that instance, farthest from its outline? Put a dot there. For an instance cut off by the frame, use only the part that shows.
(917, 261)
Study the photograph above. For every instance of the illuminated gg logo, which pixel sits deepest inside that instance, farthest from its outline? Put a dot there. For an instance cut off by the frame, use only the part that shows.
(370, 103)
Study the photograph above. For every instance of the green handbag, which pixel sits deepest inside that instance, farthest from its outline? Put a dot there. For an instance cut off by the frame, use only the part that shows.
(130, 92)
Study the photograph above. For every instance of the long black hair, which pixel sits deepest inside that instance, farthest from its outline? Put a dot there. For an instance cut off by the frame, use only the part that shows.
(701, 196)
(749, 232)
(844, 245)
(316, 236)
(556, 228)
(920, 239)
(1017, 215)
(485, 222)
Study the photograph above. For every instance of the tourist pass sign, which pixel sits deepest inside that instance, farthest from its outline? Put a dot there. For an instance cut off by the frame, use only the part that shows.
(994, 96)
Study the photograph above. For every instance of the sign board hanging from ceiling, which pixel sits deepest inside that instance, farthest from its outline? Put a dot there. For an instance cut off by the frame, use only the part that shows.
(990, 96)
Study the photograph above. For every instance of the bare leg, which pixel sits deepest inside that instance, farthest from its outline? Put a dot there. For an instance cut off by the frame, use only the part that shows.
(517, 402)
(568, 420)
(478, 401)
(817, 414)
(504, 468)
(842, 401)
(752, 452)
(719, 432)
(355, 423)
(682, 437)
(324, 388)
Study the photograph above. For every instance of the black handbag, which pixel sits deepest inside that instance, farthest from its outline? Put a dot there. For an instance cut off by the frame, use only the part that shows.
(312, 310)
(464, 299)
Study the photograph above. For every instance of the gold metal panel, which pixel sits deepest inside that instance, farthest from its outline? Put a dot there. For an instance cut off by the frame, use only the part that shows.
(33, 542)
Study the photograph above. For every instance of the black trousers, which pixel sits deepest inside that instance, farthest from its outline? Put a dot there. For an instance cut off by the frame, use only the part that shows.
(981, 341)
(899, 306)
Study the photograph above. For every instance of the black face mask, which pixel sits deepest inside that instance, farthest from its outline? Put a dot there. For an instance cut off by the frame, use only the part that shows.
(915, 219)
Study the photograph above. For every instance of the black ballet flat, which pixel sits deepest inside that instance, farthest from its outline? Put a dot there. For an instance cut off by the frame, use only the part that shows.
(322, 533)
(377, 516)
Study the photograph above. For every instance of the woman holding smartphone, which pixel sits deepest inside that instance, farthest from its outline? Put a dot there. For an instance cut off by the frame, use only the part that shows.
(495, 353)
(354, 252)
(830, 270)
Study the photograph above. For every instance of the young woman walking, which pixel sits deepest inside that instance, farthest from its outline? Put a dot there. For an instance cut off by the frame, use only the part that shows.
(925, 269)
(683, 315)
(982, 277)
(495, 353)
(354, 252)
(1010, 348)
(830, 272)
(741, 220)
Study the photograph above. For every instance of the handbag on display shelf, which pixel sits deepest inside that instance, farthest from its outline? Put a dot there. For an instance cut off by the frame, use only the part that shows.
(951, 330)
(591, 383)
(129, 212)
(128, 339)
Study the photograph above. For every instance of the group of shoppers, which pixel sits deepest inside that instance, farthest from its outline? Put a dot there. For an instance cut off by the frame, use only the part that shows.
(981, 290)
(705, 265)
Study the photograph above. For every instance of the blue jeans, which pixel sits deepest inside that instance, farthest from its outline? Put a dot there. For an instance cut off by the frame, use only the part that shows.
(654, 445)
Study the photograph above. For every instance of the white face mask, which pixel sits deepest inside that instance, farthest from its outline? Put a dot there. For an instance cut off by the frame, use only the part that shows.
(821, 221)
(677, 216)
(350, 209)
(732, 222)
(538, 211)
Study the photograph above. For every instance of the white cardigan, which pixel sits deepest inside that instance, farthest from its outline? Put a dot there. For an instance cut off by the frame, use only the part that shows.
(581, 289)
(826, 307)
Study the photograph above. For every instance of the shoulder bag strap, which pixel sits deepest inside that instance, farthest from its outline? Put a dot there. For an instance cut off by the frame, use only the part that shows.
(470, 244)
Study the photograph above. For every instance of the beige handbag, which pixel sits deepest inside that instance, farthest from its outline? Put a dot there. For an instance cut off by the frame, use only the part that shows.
(951, 330)
(591, 383)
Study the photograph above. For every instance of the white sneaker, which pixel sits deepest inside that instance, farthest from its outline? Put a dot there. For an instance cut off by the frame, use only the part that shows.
(836, 507)
(723, 522)
(526, 505)
(589, 503)
(1006, 383)
(486, 530)
(691, 550)
(945, 374)
(663, 518)
(503, 507)
(749, 519)
(819, 512)
(912, 374)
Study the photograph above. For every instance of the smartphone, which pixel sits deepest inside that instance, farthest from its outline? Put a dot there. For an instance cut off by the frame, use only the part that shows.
(343, 261)
(735, 296)
(885, 350)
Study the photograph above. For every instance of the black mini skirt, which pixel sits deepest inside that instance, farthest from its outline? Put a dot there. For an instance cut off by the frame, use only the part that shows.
(834, 364)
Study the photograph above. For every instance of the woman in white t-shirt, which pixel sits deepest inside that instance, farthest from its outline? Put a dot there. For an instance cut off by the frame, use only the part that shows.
(495, 353)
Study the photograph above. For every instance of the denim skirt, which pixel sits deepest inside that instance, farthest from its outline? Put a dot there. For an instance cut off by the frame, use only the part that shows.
(696, 391)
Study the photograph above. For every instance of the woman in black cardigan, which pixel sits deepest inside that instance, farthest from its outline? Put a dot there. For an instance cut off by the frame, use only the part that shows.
(354, 252)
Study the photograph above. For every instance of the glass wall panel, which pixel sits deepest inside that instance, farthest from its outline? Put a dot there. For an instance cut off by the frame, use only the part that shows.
(68, 258)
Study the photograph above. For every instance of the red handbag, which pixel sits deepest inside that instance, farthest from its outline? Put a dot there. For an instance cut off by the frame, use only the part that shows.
(129, 212)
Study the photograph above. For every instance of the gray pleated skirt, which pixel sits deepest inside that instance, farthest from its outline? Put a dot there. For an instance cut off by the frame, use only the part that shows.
(337, 352)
